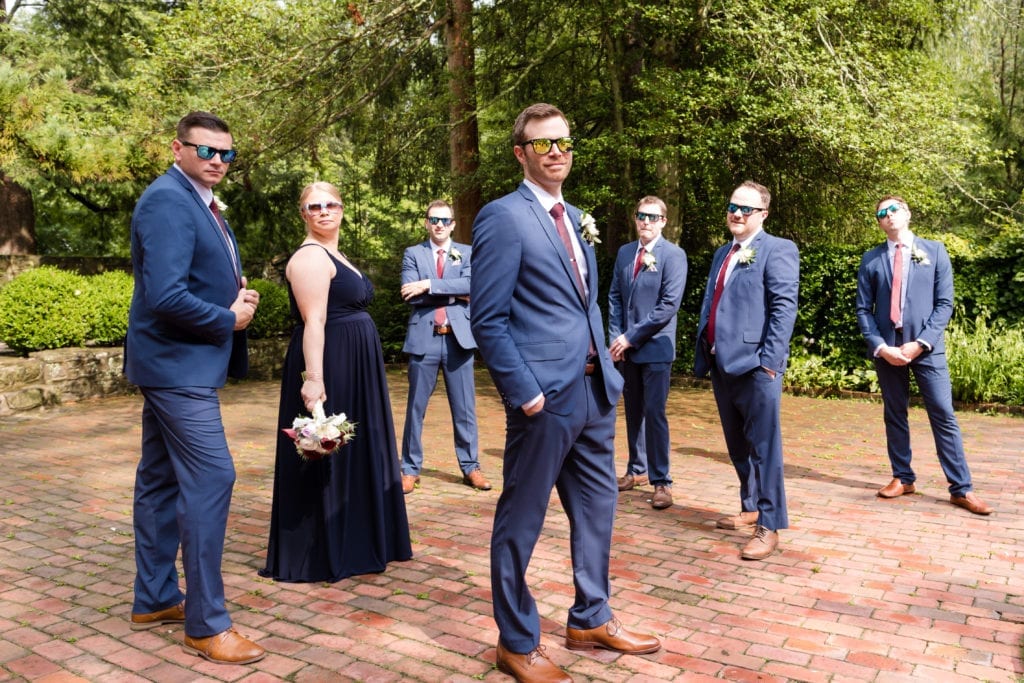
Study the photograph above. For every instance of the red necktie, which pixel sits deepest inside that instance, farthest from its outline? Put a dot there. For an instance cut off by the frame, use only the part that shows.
(557, 212)
(896, 296)
(719, 286)
(227, 238)
(639, 262)
(440, 313)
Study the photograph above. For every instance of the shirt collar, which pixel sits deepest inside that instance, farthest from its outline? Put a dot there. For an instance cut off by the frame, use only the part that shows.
(546, 200)
(746, 242)
(205, 193)
(649, 246)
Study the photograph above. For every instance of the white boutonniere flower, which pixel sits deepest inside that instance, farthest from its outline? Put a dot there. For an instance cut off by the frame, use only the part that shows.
(221, 206)
(650, 263)
(918, 256)
(588, 229)
(455, 256)
(746, 255)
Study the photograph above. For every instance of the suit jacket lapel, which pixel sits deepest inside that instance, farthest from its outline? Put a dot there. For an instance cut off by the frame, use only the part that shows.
(212, 222)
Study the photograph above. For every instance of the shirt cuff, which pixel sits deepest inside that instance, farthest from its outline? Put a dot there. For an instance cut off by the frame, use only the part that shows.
(534, 401)
(924, 345)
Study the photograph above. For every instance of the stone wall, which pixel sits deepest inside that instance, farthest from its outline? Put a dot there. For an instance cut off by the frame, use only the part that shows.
(50, 378)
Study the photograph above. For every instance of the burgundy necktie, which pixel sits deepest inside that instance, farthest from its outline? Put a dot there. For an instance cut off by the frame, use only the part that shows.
(227, 238)
(639, 262)
(896, 297)
(719, 286)
(440, 313)
(557, 211)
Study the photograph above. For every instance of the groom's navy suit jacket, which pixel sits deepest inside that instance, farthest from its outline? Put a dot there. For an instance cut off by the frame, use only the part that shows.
(181, 331)
(532, 328)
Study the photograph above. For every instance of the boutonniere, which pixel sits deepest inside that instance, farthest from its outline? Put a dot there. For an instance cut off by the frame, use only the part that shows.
(455, 256)
(221, 206)
(650, 263)
(918, 256)
(746, 256)
(588, 229)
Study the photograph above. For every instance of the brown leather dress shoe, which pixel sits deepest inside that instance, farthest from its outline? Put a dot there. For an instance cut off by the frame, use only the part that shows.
(895, 489)
(629, 482)
(477, 480)
(175, 614)
(611, 636)
(409, 482)
(533, 667)
(740, 521)
(227, 647)
(762, 544)
(662, 497)
(971, 503)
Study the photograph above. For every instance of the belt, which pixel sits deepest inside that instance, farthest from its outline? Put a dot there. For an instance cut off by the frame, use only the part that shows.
(442, 329)
(590, 366)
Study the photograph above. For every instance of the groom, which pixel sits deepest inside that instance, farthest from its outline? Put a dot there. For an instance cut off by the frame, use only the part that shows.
(539, 330)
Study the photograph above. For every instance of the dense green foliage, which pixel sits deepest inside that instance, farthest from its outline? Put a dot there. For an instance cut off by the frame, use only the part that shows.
(108, 298)
(273, 316)
(44, 308)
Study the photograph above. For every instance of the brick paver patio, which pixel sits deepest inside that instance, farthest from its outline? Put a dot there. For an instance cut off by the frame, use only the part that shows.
(863, 590)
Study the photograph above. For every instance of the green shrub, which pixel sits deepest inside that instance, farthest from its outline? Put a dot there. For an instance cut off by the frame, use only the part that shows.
(109, 298)
(273, 315)
(986, 361)
(45, 308)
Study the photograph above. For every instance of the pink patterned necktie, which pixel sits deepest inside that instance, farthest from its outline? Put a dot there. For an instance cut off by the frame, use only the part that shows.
(440, 313)
(896, 296)
(719, 286)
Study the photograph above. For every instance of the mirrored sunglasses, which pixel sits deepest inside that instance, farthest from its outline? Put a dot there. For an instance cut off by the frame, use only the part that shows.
(543, 145)
(745, 210)
(320, 207)
(205, 152)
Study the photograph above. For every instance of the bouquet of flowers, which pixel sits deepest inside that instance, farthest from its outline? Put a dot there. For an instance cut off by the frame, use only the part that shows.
(319, 436)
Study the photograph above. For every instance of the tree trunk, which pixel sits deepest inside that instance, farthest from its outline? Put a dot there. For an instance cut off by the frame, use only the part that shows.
(464, 138)
(17, 218)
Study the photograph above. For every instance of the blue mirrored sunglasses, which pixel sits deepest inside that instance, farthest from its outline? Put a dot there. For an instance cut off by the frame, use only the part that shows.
(434, 220)
(648, 217)
(745, 210)
(205, 152)
(887, 211)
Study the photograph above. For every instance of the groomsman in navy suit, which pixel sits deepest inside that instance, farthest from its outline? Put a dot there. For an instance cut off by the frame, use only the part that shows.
(435, 281)
(746, 322)
(904, 302)
(536, 320)
(186, 334)
(646, 291)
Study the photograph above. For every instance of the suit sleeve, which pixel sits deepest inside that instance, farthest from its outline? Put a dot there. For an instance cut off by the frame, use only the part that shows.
(670, 296)
(497, 250)
(169, 239)
(867, 295)
(782, 287)
(935, 325)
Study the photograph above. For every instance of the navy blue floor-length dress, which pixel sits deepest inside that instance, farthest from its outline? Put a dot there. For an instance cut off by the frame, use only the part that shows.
(345, 514)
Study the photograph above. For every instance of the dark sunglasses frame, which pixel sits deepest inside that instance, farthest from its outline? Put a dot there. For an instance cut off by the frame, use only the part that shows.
(205, 152)
(434, 220)
(318, 207)
(888, 211)
(543, 145)
(745, 210)
(649, 217)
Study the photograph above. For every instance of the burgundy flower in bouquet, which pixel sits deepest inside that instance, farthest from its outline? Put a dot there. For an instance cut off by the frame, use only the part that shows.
(318, 436)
